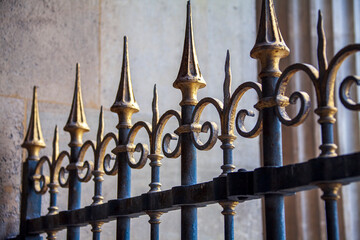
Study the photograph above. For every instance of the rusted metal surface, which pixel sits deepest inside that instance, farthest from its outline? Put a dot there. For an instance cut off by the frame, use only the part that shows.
(272, 181)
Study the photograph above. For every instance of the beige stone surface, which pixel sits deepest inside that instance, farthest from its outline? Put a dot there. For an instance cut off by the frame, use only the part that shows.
(11, 134)
(41, 41)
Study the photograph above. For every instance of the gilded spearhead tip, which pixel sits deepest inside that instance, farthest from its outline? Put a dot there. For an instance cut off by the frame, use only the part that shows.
(321, 51)
(76, 124)
(269, 38)
(189, 78)
(227, 81)
(125, 104)
(55, 153)
(34, 140)
(155, 108)
(100, 132)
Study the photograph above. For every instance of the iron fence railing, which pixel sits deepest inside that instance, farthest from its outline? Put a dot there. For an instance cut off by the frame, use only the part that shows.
(271, 181)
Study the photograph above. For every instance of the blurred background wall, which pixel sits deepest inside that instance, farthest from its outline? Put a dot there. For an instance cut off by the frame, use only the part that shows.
(41, 41)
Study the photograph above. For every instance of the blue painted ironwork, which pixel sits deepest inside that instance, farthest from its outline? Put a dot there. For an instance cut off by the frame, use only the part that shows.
(271, 181)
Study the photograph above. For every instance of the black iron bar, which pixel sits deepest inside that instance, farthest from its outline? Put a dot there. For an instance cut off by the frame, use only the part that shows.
(247, 185)
(188, 177)
(124, 187)
(33, 142)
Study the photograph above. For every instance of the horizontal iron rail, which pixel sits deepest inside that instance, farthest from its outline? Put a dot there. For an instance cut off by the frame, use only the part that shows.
(239, 186)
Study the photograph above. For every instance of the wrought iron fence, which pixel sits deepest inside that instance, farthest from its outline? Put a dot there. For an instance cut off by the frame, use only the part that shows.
(271, 182)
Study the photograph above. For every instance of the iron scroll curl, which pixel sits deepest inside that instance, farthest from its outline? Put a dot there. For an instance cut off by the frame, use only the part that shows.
(344, 92)
(42, 181)
(282, 101)
(230, 118)
(164, 145)
(86, 164)
(349, 81)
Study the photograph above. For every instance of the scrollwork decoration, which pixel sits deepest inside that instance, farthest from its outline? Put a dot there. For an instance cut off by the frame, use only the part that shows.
(42, 182)
(324, 84)
(344, 92)
(230, 119)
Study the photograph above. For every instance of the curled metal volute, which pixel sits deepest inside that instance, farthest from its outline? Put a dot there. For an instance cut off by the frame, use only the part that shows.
(140, 147)
(166, 145)
(85, 164)
(207, 127)
(303, 112)
(305, 104)
(233, 119)
(88, 166)
(61, 171)
(344, 92)
(330, 76)
(101, 150)
(157, 145)
(199, 108)
(143, 149)
(240, 124)
(57, 175)
(41, 181)
(107, 166)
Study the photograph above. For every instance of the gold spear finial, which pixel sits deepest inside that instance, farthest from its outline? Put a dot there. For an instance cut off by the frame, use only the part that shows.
(76, 124)
(189, 79)
(269, 47)
(100, 132)
(55, 152)
(227, 81)
(323, 65)
(34, 140)
(125, 104)
(155, 108)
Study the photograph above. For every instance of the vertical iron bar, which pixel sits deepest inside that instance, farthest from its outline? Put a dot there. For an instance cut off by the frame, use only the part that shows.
(96, 229)
(269, 49)
(188, 177)
(125, 106)
(189, 81)
(155, 224)
(272, 156)
(326, 112)
(228, 212)
(30, 201)
(124, 187)
(76, 126)
(227, 139)
(33, 142)
(74, 199)
(330, 197)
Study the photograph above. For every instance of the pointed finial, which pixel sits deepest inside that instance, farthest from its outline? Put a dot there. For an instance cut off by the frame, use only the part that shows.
(189, 79)
(270, 46)
(321, 45)
(100, 132)
(125, 104)
(227, 81)
(34, 140)
(155, 108)
(55, 153)
(76, 124)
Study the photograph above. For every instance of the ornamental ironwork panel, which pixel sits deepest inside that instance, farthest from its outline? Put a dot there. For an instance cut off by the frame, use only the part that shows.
(271, 182)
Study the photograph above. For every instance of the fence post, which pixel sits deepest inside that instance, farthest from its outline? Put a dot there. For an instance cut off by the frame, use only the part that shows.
(189, 81)
(30, 201)
(125, 106)
(76, 126)
(269, 49)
